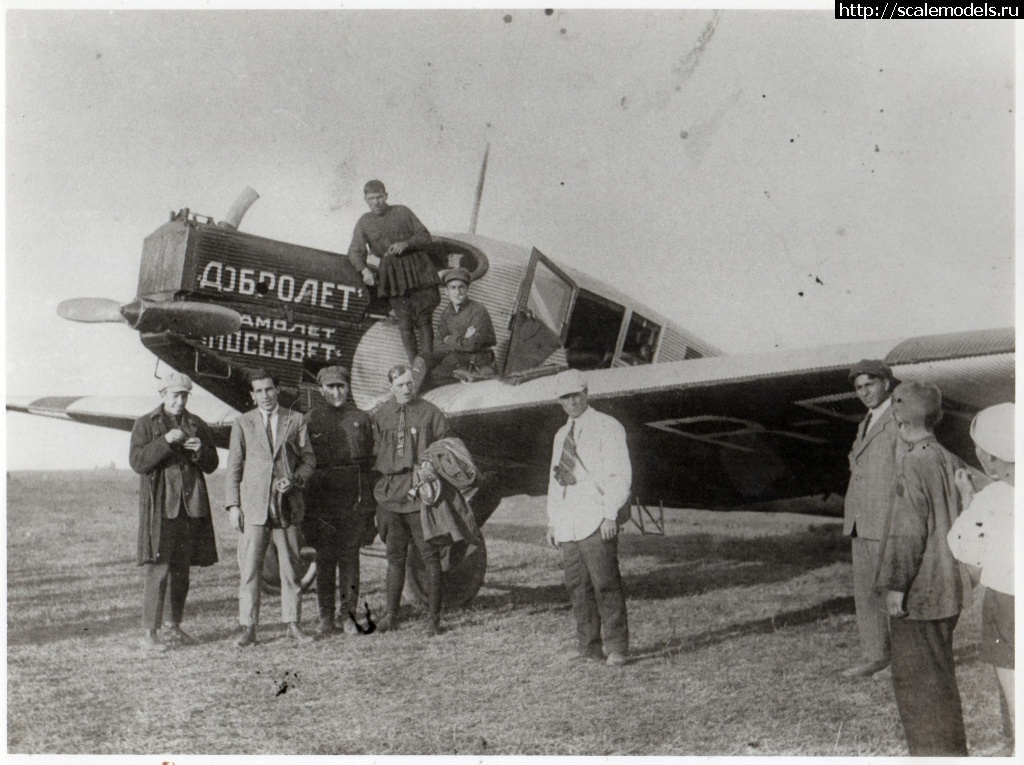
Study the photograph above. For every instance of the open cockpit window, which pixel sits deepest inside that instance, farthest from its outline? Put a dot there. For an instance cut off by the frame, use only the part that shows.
(641, 341)
(593, 332)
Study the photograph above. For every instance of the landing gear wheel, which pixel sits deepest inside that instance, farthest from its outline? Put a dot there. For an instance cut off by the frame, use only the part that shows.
(459, 584)
(270, 579)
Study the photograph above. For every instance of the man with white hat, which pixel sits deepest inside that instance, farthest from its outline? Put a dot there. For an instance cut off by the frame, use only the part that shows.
(590, 482)
(170, 449)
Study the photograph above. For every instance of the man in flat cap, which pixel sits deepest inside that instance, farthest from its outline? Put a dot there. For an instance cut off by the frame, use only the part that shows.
(869, 500)
(170, 449)
(590, 482)
(339, 501)
(406, 274)
(466, 348)
(269, 461)
(922, 581)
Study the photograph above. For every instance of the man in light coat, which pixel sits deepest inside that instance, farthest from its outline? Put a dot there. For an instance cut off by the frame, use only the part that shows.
(590, 482)
(869, 502)
(269, 461)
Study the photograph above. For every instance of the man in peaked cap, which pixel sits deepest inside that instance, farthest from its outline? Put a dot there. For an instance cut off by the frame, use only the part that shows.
(466, 348)
(170, 449)
(590, 482)
(339, 499)
(869, 500)
(406, 274)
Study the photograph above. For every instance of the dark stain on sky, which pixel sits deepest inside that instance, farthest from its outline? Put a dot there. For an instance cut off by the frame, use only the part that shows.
(549, 11)
(508, 18)
(684, 135)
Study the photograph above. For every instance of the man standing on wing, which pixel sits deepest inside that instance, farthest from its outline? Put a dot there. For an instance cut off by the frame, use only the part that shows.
(590, 481)
(170, 449)
(269, 461)
(338, 492)
(869, 501)
(407, 275)
(403, 428)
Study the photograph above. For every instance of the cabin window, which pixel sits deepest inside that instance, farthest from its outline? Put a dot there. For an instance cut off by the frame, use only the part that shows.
(549, 298)
(641, 341)
(593, 332)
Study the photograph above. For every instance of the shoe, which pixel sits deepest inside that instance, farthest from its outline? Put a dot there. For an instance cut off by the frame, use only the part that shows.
(867, 669)
(578, 658)
(248, 637)
(616, 659)
(326, 625)
(150, 642)
(419, 372)
(295, 633)
(434, 628)
(172, 633)
(349, 626)
(387, 624)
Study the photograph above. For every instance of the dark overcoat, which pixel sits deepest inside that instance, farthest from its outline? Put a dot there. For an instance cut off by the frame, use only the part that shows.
(149, 456)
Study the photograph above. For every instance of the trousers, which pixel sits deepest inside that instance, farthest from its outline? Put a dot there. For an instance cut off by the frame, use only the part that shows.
(924, 682)
(252, 549)
(400, 530)
(337, 562)
(415, 313)
(872, 617)
(595, 591)
(172, 574)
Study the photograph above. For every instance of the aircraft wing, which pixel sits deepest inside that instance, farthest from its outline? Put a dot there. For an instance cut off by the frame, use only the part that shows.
(120, 412)
(733, 430)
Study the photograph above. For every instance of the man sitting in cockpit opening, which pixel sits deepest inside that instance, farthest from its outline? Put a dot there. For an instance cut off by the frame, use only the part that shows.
(407, 276)
(465, 351)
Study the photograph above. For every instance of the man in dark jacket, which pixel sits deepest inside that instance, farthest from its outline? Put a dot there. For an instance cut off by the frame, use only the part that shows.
(407, 276)
(465, 350)
(338, 496)
(171, 448)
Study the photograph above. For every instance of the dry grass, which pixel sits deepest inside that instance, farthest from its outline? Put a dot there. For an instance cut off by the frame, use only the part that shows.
(740, 623)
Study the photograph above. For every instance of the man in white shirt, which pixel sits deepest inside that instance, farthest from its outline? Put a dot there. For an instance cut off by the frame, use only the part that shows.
(869, 502)
(590, 481)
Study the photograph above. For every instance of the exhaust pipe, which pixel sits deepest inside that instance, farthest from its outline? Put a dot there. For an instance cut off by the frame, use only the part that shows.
(239, 208)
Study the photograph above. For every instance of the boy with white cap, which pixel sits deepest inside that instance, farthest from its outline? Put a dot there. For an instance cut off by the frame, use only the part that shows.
(982, 538)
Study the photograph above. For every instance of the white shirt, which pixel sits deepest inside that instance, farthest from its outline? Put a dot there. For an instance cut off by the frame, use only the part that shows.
(274, 420)
(983, 536)
(877, 412)
(603, 475)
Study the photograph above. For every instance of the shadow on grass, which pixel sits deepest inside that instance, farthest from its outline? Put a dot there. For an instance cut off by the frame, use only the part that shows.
(796, 618)
(690, 564)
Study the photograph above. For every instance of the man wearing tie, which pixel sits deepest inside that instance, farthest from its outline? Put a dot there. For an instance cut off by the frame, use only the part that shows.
(269, 461)
(590, 482)
(869, 502)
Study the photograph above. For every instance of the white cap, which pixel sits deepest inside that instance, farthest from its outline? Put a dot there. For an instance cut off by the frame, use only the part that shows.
(992, 430)
(569, 381)
(175, 382)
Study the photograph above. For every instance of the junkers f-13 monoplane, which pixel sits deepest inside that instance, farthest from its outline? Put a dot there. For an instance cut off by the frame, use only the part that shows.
(705, 430)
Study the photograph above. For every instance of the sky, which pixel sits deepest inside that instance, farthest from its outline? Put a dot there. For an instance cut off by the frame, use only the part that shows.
(769, 180)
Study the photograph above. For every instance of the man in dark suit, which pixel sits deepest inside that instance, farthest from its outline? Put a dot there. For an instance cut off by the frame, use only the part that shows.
(269, 461)
(869, 502)
(170, 449)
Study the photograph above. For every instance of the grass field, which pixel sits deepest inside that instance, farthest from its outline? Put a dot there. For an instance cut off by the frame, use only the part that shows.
(740, 624)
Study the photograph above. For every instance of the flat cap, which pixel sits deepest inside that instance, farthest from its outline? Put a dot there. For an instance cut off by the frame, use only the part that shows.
(874, 367)
(456, 274)
(569, 381)
(992, 430)
(374, 187)
(176, 382)
(333, 376)
(917, 402)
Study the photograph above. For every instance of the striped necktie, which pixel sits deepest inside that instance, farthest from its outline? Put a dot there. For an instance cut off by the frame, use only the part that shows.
(569, 457)
(400, 435)
(867, 422)
(270, 434)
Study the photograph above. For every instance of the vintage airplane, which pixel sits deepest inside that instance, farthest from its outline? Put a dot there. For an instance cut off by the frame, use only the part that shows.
(705, 430)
